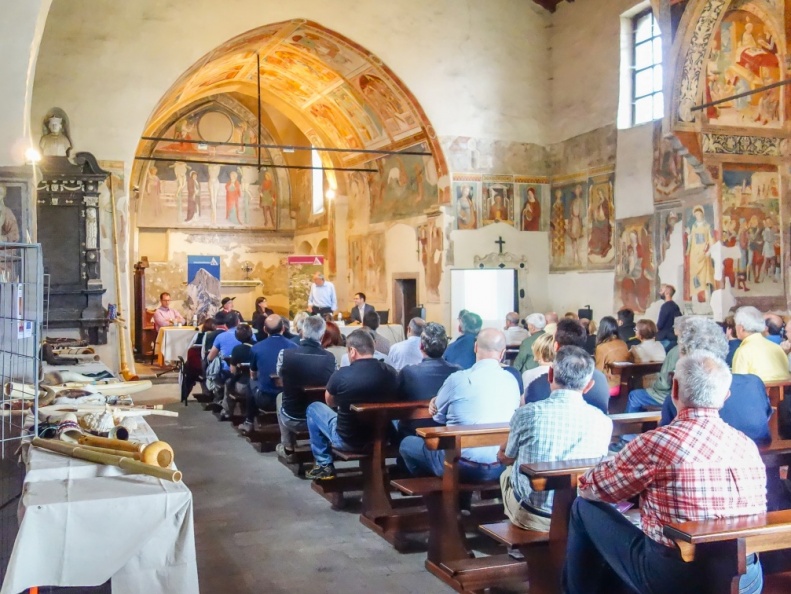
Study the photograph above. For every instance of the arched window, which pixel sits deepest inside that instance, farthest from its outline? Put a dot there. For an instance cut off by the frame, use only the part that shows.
(318, 182)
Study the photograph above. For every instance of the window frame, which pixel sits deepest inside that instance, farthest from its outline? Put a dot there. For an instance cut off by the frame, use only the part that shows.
(635, 19)
(317, 183)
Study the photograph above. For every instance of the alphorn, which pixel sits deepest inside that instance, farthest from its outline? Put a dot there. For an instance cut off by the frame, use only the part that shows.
(118, 411)
(129, 464)
(158, 453)
(71, 351)
(28, 391)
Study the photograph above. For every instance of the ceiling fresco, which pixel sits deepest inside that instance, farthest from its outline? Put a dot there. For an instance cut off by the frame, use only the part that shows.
(335, 91)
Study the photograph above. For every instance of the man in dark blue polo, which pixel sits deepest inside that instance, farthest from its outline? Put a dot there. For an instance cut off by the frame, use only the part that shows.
(461, 351)
(423, 381)
(262, 366)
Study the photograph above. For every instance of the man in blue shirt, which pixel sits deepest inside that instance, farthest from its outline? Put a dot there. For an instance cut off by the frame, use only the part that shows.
(262, 365)
(461, 351)
(322, 299)
(485, 393)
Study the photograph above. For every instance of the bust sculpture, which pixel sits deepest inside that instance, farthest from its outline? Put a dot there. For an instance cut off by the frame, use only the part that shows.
(55, 141)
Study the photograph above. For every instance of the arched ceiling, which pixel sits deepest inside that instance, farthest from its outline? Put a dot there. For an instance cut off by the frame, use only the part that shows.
(335, 91)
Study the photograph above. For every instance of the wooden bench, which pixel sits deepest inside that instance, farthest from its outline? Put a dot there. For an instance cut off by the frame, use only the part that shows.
(387, 517)
(631, 375)
(266, 433)
(638, 422)
(721, 546)
(449, 556)
(776, 391)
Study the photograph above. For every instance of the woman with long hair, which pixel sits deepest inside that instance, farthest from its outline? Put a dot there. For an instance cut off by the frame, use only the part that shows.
(610, 349)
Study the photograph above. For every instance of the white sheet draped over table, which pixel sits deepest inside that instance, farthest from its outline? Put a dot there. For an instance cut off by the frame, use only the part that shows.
(83, 523)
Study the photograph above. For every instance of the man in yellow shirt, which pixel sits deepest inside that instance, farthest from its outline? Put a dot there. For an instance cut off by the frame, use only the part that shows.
(756, 354)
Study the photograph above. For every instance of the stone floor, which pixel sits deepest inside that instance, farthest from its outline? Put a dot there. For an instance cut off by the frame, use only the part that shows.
(260, 529)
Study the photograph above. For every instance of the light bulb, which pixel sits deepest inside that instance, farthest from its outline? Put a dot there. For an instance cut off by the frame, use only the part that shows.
(330, 194)
(32, 155)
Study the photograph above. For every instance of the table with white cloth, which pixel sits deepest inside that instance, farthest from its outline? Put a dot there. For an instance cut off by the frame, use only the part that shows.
(83, 523)
(173, 342)
(392, 332)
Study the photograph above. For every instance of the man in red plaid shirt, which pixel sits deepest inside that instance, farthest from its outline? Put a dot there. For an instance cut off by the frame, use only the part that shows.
(696, 468)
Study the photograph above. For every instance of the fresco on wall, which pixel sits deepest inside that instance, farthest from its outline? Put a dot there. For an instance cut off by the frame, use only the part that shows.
(635, 268)
(745, 55)
(467, 197)
(431, 242)
(407, 186)
(751, 232)
(532, 205)
(700, 235)
(601, 223)
(497, 199)
(398, 118)
(568, 244)
(367, 266)
(668, 221)
(302, 205)
(668, 168)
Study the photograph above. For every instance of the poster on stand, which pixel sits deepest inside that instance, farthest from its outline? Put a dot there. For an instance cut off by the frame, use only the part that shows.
(300, 276)
(203, 287)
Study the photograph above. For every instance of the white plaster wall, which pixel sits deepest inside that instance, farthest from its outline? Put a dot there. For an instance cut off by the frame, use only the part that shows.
(585, 60)
(478, 69)
(21, 28)
(634, 191)
(572, 290)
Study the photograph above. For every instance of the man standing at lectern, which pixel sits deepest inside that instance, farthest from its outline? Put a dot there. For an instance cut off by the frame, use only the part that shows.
(322, 299)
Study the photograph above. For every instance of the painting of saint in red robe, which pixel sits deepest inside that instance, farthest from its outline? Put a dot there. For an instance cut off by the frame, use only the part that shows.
(233, 191)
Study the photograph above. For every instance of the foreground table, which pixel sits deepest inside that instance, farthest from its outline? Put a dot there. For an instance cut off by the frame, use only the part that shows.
(173, 342)
(82, 524)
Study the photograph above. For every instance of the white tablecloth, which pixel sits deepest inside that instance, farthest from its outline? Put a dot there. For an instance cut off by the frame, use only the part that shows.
(392, 332)
(83, 523)
(173, 342)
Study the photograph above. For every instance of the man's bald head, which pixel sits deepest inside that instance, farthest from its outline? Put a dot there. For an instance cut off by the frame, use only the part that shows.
(774, 324)
(490, 344)
(273, 325)
(551, 317)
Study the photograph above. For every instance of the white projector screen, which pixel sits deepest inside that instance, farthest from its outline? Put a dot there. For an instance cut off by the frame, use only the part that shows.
(488, 292)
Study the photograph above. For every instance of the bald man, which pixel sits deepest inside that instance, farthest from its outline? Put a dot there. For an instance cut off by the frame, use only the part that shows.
(552, 322)
(484, 393)
(774, 328)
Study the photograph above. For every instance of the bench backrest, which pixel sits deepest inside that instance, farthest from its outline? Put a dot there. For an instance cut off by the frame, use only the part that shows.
(464, 436)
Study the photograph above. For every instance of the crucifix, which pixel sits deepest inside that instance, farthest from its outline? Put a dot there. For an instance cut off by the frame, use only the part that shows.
(501, 243)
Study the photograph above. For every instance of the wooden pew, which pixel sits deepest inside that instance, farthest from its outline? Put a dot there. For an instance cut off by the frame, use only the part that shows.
(387, 517)
(723, 545)
(776, 391)
(638, 422)
(449, 557)
(266, 433)
(631, 375)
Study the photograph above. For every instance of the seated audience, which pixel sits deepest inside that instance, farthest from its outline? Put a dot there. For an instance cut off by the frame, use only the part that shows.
(422, 381)
(562, 427)
(729, 325)
(263, 366)
(360, 308)
(626, 327)
(774, 328)
(610, 349)
(747, 408)
(649, 350)
(551, 318)
(259, 315)
(571, 333)
(220, 326)
(365, 380)
(308, 365)
(544, 354)
(461, 351)
(535, 325)
(238, 384)
(345, 362)
(332, 341)
(485, 393)
(287, 331)
(223, 344)
(570, 315)
(514, 333)
(407, 352)
(371, 321)
(208, 326)
(667, 317)
(756, 354)
(696, 468)
(164, 315)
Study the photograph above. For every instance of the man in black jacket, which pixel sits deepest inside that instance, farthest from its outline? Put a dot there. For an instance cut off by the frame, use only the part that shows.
(626, 327)
(308, 365)
(360, 308)
(667, 316)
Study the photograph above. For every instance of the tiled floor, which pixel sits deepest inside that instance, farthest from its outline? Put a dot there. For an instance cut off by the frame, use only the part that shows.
(260, 529)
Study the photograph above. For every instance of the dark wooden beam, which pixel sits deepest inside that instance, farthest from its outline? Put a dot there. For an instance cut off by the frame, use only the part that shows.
(550, 5)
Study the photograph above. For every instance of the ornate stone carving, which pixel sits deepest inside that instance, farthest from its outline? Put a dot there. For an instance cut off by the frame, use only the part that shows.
(693, 60)
(509, 260)
(725, 144)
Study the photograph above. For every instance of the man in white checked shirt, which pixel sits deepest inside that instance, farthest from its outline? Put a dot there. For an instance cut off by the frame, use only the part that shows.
(562, 427)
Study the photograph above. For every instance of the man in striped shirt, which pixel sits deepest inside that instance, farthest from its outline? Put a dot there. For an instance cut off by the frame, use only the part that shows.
(696, 468)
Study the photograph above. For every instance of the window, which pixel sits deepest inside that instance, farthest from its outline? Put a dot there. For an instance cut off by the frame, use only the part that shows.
(647, 99)
(318, 182)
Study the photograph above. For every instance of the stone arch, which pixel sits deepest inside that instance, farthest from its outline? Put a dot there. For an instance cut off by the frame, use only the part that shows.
(304, 249)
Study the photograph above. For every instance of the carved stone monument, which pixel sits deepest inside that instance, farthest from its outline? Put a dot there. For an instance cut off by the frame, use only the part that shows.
(68, 228)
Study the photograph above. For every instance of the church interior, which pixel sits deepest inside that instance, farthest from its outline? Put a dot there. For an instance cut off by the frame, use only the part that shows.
(598, 151)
